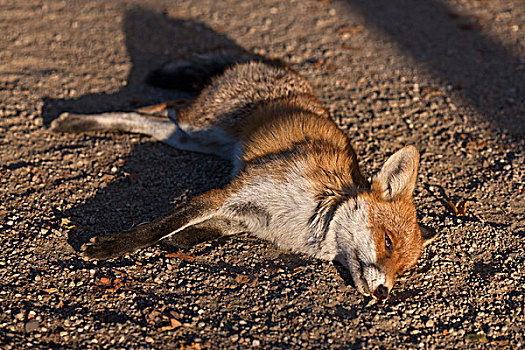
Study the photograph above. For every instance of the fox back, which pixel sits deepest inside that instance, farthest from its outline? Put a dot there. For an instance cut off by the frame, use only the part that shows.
(295, 182)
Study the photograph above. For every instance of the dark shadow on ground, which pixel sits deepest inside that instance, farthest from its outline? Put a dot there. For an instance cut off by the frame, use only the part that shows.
(151, 181)
(152, 39)
(453, 47)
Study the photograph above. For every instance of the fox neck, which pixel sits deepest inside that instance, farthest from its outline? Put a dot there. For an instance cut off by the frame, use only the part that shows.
(350, 242)
(344, 235)
(336, 187)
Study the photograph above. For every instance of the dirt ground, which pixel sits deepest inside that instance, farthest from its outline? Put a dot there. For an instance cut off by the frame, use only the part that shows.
(447, 76)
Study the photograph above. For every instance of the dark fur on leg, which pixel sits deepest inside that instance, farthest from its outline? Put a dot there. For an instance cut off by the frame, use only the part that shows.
(206, 231)
(74, 123)
(107, 247)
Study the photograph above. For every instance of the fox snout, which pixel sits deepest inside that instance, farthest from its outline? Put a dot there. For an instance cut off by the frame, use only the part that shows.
(381, 292)
(376, 281)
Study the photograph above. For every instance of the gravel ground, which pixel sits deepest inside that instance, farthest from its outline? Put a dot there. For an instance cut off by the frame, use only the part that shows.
(447, 76)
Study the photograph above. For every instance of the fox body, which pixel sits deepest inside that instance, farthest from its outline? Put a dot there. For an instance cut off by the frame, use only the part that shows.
(295, 180)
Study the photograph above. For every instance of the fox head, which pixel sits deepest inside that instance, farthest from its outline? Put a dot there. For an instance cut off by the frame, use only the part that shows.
(376, 234)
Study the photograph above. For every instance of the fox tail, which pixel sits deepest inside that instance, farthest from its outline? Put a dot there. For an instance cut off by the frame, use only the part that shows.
(193, 73)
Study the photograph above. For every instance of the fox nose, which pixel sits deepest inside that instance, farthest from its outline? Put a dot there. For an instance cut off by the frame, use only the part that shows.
(381, 292)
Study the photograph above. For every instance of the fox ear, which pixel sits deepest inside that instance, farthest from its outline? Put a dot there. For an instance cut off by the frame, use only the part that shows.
(428, 235)
(398, 175)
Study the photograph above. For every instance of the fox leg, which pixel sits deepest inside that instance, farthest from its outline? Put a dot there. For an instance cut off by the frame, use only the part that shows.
(195, 220)
(209, 140)
(162, 130)
(208, 230)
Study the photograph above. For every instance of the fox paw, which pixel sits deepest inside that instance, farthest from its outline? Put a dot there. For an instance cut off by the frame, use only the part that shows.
(101, 248)
(72, 123)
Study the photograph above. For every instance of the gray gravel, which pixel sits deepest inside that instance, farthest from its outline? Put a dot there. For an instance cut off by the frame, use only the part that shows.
(447, 76)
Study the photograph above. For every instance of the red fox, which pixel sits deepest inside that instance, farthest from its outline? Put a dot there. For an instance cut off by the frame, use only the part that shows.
(295, 180)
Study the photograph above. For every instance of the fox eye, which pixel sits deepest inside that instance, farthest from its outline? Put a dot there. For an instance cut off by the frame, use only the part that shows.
(388, 243)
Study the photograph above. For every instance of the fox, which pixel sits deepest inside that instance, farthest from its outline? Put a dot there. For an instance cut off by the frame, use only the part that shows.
(295, 178)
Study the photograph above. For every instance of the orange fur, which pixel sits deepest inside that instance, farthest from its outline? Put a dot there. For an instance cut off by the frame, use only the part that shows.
(398, 220)
(290, 127)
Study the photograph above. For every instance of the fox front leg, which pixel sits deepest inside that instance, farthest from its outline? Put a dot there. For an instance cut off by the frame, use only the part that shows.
(208, 230)
(198, 212)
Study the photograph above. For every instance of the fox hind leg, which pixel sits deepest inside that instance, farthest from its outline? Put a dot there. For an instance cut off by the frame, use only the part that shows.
(209, 140)
(132, 122)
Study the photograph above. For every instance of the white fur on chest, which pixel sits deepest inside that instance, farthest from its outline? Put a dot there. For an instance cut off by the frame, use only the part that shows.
(277, 211)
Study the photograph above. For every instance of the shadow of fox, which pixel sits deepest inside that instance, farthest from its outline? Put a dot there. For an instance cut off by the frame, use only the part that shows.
(295, 181)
